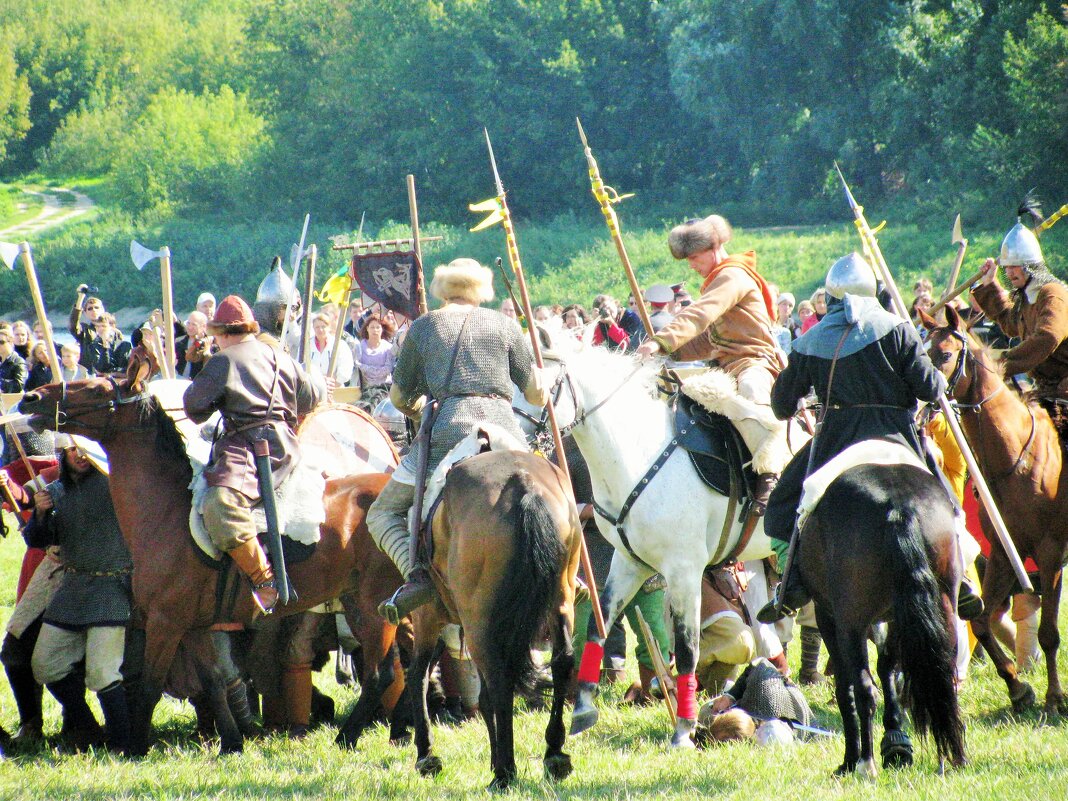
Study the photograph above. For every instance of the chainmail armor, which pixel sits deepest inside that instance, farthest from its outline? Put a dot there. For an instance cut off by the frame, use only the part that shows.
(766, 694)
(494, 355)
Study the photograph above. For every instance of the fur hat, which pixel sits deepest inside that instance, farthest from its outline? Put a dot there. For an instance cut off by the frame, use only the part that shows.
(463, 279)
(695, 236)
(233, 316)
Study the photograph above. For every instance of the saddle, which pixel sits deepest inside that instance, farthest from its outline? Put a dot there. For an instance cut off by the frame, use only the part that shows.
(716, 449)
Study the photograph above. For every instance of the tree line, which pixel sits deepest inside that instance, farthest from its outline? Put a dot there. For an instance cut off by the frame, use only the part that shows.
(254, 108)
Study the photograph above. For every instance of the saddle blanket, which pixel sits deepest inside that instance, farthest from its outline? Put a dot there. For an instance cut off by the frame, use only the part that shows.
(487, 437)
(869, 451)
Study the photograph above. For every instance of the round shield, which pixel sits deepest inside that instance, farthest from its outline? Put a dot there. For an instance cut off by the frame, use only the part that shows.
(342, 440)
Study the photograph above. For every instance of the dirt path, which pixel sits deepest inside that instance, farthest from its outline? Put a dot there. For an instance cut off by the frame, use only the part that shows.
(54, 212)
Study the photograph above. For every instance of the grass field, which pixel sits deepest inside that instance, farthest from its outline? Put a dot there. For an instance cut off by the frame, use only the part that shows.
(623, 757)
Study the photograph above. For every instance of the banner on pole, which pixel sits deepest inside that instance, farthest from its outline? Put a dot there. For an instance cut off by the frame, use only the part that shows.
(392, 279)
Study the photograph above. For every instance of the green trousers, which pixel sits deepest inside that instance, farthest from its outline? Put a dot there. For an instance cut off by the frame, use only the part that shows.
(652, 606)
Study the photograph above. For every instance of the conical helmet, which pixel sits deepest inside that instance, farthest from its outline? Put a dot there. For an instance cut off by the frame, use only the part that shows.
(850, 274)
(1020, 247)
(276, 287)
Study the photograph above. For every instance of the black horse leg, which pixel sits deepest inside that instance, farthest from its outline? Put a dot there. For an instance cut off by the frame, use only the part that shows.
(142, 728)
(371, 689)
(843, 690)
(489, 717)
(503, 697)
(896, 748)
(419, 680)
(853, 645)
(557, 763)
(231, 741)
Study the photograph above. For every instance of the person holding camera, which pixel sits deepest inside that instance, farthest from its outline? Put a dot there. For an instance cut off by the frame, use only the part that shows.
(608, 331)
(89, 307)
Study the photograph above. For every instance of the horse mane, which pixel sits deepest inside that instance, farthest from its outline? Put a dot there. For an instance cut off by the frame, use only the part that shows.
(169, 441)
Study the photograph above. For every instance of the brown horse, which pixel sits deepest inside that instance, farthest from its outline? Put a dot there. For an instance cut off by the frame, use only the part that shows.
(506, 549)
(174, 590)
(1019, 452)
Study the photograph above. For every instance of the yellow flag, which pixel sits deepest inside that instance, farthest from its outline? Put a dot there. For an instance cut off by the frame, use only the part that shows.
(493, 205)
(336, 287)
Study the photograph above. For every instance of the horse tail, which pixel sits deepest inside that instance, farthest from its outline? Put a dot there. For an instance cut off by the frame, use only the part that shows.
(528, 588)
(921, 640)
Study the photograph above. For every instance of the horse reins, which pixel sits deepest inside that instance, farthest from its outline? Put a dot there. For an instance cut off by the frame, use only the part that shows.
(64, 409)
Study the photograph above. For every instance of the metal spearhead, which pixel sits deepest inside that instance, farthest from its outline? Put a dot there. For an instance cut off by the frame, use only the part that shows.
(958, 235)
(849, 195)
(493, 162)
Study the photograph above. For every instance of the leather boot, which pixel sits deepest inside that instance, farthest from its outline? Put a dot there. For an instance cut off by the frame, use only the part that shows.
(297, 691)
(765, 483)
(639, 694)
(81, 728)
(416, 591)
(793, 595)
(810, 657)
(969, 603)
(237, 700)
(252, 562)
(27, 694)
(117, 717)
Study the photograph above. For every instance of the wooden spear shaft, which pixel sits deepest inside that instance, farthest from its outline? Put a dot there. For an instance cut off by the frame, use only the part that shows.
(309, 296)
(168, 313)
(42, 315)
(558, 441)
(659, 668)
(413, 210)
(958, 290)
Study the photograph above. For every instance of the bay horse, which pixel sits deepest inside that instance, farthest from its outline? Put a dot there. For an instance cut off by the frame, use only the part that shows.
(1020, 453)
(675, 527)
(881, 546)
(505, 554)
(174, 590)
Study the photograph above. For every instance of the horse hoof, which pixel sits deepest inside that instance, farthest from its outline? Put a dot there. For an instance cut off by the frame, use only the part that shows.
(557, 767)
(231, 748)
(401, 740)
(1025, 698)
(844, 769)
(500, 784)
(682, 741)
(429, 766)
(582, 718)
(345, 740)
(867, 770)
(896, 749)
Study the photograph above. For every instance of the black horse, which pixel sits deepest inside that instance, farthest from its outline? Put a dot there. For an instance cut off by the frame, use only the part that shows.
(881, 546)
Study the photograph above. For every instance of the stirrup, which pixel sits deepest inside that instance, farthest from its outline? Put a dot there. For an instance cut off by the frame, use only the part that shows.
(774, 611)
(265, 607)
(416, 591)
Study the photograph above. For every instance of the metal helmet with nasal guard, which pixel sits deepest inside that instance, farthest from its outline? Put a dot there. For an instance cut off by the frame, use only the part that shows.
(850, 274)
(1020, 248)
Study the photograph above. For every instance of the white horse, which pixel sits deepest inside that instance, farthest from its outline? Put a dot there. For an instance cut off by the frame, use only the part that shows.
(675, 527)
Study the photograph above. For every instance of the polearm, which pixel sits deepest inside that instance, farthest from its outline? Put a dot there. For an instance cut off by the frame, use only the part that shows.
(309, 294)
(962, 247)
(869, 239)
(558, 442)
(607, 197)
(298, 257)
(659, 668)
(342, 312)
(8, 252)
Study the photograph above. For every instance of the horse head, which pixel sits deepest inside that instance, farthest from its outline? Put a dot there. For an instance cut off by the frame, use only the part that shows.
(948, 347)
(94, 407)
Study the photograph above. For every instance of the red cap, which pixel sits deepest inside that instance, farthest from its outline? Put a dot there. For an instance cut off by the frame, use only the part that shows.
(233, 316)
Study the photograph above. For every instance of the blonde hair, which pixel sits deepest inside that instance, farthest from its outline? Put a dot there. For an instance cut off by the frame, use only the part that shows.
(734, 724)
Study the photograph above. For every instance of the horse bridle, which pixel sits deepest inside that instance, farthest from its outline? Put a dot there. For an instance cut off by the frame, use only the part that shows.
(65, 411)
(581, 416)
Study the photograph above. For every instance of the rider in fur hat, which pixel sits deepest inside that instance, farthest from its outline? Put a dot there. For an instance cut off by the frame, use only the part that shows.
(466, 358)
(729, 325)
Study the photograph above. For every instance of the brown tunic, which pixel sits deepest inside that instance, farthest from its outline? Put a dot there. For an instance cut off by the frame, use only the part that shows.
(238, 383)
(1042, 325)
(727, 324)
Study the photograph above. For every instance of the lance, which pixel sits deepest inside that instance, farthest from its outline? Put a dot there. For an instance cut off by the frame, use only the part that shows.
(8, 252)
(413, 212)
(304, 354)
(140, 255)
(558, 442)
(343, 312)
(296, 257)
(985, 496)
(607, 197)
(962, 246)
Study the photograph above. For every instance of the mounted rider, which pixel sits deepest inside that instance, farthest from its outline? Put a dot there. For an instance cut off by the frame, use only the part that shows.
(260, 392)
(729, 325)
(880, 370)
(465, 358)
(1036, 311)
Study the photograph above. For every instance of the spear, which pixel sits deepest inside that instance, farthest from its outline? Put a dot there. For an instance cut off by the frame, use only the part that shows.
(607, 197)
(962, 247)
(868, 237)
(517, 269)
(342, 312)
(297, 257)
